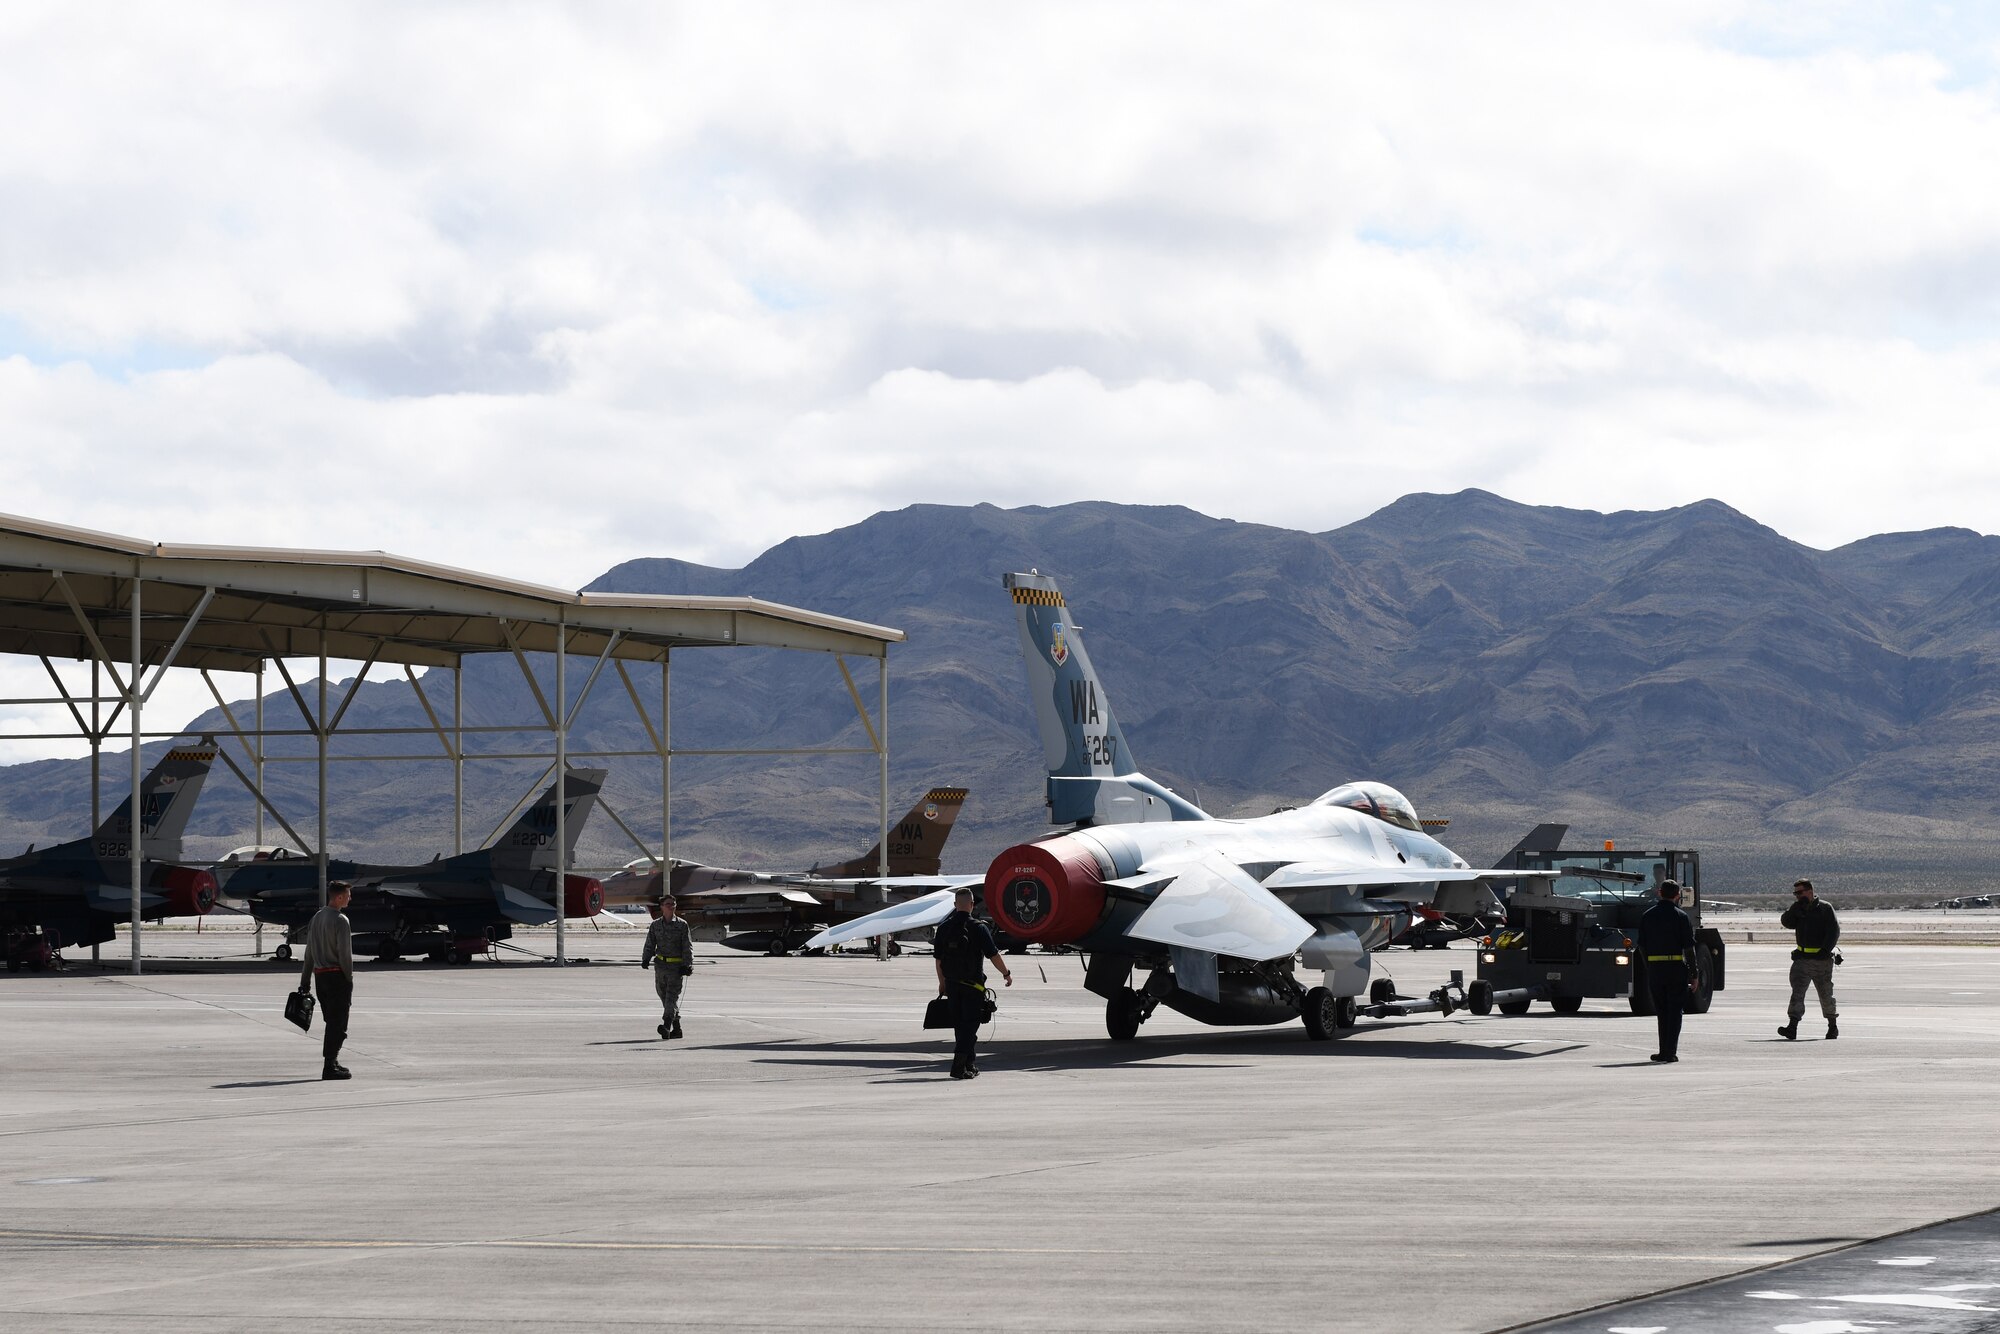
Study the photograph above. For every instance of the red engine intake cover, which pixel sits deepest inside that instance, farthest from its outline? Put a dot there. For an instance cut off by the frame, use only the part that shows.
(190, 892)
(582, 896)
(1046, 893)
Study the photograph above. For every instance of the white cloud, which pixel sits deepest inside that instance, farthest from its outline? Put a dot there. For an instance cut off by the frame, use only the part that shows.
(537, 290)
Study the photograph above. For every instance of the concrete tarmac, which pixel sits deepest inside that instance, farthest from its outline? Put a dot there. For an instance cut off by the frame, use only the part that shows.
(518, 1151)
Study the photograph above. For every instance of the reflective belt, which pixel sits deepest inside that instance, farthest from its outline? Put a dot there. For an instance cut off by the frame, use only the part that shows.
(1809, 949)
(666, 958)
(1665, 958)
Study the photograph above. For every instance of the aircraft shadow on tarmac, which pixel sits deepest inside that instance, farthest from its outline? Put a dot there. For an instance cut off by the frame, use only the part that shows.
(1151, 1053)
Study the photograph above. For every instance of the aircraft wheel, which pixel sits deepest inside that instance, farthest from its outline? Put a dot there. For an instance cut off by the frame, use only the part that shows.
(1321, 1012)
(1479, 997)
(1347, 1012)
(283, 954)
(1515, 1007)
(776, 949)
(1566, 1004)
(895, 948)
(1121, 1015)
(1381, 991)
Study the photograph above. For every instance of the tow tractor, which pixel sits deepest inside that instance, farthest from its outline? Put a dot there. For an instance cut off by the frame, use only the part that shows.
(1574, 937)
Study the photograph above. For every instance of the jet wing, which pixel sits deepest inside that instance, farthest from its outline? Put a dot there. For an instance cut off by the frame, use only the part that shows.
(1213, 905)
(928, 910)
(1301, 876)
(786, 892)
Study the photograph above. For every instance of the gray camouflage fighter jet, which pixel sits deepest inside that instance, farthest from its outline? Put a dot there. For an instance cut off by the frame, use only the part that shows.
(1220, 914)
(77, 893)
(774, 911)
(449, 908)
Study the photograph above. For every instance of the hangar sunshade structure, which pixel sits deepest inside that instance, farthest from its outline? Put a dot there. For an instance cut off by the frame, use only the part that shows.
(134, 609)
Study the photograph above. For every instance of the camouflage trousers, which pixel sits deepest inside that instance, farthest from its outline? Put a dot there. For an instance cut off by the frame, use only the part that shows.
(1817, 974)
(667, 980)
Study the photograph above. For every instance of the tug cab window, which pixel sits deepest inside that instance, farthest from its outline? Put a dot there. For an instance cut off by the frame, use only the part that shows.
(1380, 800)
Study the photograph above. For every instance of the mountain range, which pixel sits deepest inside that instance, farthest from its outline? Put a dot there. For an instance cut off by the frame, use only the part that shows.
(1683, 677)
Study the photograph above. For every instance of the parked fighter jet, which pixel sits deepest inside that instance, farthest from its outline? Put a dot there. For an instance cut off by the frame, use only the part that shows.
(77, 893)
(1219, 913)
(773, 912)
(449, 908)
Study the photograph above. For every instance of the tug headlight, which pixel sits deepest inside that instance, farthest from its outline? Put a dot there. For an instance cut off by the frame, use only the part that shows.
(1489, 957)
(1624, 959)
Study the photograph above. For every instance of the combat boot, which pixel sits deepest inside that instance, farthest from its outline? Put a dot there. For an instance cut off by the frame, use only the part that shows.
(335, 1070)
(1832, 1029)
(661, 1029)
(675, 1032)
(1790, 1032)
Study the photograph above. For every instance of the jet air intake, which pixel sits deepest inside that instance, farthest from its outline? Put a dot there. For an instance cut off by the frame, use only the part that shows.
(1047, 893)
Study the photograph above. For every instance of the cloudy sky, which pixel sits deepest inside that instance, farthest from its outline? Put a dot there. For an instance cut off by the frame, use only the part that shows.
(537, 288)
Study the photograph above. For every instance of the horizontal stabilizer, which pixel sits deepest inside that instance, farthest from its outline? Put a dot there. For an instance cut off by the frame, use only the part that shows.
(929, 910)
(1213, 905)
(517, 906)
(117, 899)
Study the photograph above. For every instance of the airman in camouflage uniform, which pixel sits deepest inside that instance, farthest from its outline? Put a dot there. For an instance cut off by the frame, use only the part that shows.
(670, 954)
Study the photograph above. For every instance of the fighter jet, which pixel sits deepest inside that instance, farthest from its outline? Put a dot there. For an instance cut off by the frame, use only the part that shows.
(77, 893)
(449, 908)
(772, 912)
(1221, 915)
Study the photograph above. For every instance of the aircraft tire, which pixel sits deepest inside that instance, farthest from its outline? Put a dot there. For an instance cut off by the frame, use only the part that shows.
(1347, 1012)
(895, 948)
(1321, 1012)
(776, 949)
(1514, 1007)
(1566, 1004)
(283, 954)
(1121, 1015)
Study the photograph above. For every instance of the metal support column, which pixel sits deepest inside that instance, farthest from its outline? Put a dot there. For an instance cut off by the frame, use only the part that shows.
(882, 758)
(96, 748)
(257, 756)
(666, 770)
(319, 728)
(458, 757)
(562, 782)
(136, 826)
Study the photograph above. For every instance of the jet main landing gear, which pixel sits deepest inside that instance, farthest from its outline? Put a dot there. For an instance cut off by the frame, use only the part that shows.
(1124, 1012)
(1325, 1014)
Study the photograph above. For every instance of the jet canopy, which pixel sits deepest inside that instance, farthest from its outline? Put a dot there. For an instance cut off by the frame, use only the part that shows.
(1377, 799)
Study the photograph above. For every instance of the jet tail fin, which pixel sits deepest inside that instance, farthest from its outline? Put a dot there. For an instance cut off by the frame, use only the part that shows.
(1088, 760)
(166, 801)
(1542, 838)
(530, 841)
(916, 842)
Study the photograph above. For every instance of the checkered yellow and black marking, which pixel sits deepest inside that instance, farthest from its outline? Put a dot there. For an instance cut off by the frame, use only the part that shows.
(1037, 597)
(199, 756)
(947, 796)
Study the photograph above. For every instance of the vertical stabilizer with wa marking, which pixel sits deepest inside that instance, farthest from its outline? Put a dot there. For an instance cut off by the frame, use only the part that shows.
(531, 840)
(166, 801)
(1092, 779)
(916, 842)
